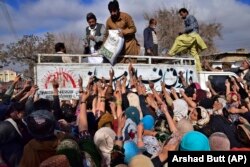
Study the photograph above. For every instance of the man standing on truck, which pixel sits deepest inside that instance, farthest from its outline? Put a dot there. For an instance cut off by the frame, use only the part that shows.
(150, 39)
(125, 24)
(93, 38)
(189, 39)
(61, 49)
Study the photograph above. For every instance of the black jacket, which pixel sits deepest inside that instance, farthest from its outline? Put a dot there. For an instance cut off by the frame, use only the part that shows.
(148, 38)
(11, 144)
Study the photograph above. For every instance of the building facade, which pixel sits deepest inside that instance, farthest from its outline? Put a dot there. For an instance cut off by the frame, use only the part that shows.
(7, 75)
(234, 58)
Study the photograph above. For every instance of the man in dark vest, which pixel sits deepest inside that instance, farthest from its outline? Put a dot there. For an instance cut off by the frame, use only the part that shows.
(93, 38)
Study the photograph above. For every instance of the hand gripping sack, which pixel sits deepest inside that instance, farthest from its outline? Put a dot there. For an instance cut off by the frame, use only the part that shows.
(112, 46)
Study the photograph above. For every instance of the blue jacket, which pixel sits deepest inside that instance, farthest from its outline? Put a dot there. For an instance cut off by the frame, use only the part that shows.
(148, 38)
(191, 24)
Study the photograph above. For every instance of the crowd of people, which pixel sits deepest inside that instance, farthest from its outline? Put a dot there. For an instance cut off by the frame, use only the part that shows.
(121, 125)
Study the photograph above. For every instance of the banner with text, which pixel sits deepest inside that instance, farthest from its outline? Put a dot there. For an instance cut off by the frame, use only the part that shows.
(68, 75)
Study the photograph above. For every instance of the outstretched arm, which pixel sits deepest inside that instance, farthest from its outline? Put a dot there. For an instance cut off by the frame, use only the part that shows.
(209, 85)
(171, 123)
(156, 95)
(10, 90)
(26, 88)
(83, 122)
(189, 101)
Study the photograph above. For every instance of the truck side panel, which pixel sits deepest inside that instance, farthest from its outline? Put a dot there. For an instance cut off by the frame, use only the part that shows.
(68, 74)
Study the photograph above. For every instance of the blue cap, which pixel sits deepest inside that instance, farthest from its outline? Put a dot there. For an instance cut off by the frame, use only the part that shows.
(194, 141)
(131, 150)
(133, 113)
(148, 122)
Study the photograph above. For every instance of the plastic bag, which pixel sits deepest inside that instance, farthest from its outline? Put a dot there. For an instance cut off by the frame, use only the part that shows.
(112, 46)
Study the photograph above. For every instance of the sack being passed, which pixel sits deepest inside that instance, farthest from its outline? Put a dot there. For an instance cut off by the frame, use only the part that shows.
(112, 46)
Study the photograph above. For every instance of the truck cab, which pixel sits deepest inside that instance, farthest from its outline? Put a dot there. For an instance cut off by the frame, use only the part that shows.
(217, 79)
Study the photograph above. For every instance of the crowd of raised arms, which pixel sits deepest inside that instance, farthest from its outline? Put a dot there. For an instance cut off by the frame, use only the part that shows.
(119, 125)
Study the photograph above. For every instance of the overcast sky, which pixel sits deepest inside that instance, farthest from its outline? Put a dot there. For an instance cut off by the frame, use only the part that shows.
(20, 17)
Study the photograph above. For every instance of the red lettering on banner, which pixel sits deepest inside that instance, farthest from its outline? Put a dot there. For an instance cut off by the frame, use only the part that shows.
(64, 77)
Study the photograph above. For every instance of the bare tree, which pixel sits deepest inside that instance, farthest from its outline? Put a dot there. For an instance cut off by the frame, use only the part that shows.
(170, 24)
(24, 51)
(3, 55)
(47, 43)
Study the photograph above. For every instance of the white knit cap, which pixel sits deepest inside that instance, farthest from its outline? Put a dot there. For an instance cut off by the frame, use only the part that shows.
(135, 102)
(104, 140)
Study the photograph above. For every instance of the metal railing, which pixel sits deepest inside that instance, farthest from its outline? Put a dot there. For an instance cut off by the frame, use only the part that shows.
(144, 59)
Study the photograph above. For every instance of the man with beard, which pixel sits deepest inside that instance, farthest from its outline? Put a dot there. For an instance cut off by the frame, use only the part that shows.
(125, 24)
(93, 38)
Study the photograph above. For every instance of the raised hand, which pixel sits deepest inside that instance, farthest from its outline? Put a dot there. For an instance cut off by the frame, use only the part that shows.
(111, 73)
(118, 85)
(33, 90)
(151, 85)
(173, 91)
(102, 91)
(17, 78)
(124, 81)
(55, 84)
(121, 121)
(118, 95)
(182, 92)
(27, 85)
(80, 81)
(140, 79)
(227, 83)
(164, 107)
(208, 84)
(163, 85)
(131, 69)
(85, 95)
(181, 74)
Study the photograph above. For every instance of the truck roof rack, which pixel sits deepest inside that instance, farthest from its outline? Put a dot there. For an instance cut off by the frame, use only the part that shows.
(140, 59)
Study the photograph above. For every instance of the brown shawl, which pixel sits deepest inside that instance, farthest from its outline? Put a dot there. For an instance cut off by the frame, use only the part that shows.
(36, 152)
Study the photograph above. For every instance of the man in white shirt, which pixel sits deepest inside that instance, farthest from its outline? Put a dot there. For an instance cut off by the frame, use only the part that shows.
(93, 38)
